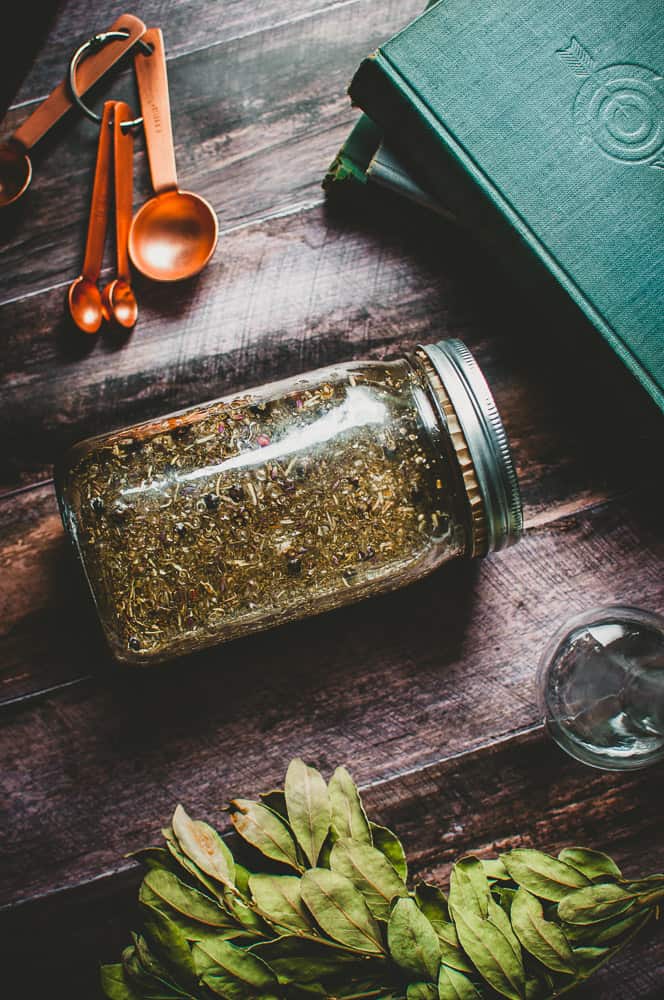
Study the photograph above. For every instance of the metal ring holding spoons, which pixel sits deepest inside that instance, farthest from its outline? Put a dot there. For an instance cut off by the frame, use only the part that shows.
(92, 45)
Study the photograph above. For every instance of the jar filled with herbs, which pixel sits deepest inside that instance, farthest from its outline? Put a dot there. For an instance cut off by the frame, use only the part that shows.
(288, 500)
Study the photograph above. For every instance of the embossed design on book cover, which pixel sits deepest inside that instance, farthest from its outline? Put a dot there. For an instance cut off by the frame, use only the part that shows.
(620, 106)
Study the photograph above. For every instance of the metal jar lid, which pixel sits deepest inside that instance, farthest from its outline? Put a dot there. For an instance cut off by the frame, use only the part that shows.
(485, 438)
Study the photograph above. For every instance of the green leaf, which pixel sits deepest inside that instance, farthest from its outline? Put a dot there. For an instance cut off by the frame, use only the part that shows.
(148, 972)
(348, 816)
(469, 887)
(588, 959)
(495, 869)
(263, 829)
(370, 872)
(171, 946)
(389, 844)
(490, 952)
(499, 918)
(114, 984)
(412, 941)
(599, 902)
(421, 991)
(543, 875)
(203, 845)
(453, 985)
(593, 864)
(279, 901)
(606, 932)
(296, 959)
(542, 938)
(208, 883)
(233, 972)
(153, 857)
(276, 801)
(340, 910)
(182, 898)
(242, 876)
(433, 904)
(308, 805)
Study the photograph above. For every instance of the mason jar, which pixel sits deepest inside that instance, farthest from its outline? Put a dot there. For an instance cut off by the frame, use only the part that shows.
(288, 500)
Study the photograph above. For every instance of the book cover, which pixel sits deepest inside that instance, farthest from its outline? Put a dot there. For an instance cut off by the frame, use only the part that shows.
(543, 127)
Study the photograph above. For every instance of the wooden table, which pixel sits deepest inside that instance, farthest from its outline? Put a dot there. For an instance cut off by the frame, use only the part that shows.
(428, 694)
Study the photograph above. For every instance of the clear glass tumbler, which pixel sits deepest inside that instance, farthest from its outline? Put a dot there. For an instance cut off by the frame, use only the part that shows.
(601, 687)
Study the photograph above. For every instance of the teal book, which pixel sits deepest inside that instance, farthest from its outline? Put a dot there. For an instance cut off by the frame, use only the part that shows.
(542, 127)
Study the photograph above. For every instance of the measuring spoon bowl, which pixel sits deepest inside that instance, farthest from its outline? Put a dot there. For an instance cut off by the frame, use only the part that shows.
(119, 304)
(173, 236)
(85, 304)
(15, 172)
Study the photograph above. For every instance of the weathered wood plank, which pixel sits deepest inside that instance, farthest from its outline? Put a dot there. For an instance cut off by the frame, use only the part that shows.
(388, 685)
(188, 25)
(256, 121)
(520, 791)
(312, 288)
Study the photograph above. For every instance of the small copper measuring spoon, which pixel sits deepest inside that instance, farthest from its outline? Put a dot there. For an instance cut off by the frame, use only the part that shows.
(118, 301)
(175, 233)
(85, 303)
(15, 166)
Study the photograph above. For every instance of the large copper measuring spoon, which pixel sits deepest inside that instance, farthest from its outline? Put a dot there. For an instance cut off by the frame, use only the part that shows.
(175, 233)
(85, 303)
(118, 301)
(15, 166)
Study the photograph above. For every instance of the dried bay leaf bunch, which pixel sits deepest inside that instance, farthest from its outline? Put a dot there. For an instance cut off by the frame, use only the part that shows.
(320, 907)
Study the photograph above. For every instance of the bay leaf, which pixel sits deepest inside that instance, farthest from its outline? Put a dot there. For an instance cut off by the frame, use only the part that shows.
(543, 875)
(115, 985)
(154, 977)
(500, 919)
(597, 903)
(495, 870)
(469, 886)
(340, 910)
(203, 845)
(490, 952)
(242, 876)
(232, 972)
(171, 946)
(593, 864)
(263, 829)
(453, 985)
(348, 816)
(308, 805)
(433, 904)
(588, 959)
(606, 932)
(279, 901)
(421, 991)
(276, 801)
(153, 857)
(212, 886)
(370, 872)
(412, 941)
(389, 844)
(543, 939)
(183, 899)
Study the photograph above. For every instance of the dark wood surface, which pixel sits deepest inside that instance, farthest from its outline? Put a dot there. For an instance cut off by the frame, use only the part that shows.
(428, 695)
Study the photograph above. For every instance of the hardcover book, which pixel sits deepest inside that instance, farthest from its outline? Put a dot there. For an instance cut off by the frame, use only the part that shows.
(542, 126)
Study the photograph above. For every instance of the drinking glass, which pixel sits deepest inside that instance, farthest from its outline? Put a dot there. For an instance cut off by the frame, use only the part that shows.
(601, 688)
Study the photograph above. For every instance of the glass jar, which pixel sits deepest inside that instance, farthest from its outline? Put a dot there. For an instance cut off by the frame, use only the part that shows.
(288, 500)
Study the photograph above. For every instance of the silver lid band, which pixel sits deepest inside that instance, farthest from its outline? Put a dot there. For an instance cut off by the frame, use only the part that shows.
(485, 436)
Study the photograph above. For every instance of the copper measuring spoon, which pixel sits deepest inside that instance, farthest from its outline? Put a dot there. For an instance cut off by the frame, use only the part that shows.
(175, 233)
(15, 166)
(118, 301)
(85, 303)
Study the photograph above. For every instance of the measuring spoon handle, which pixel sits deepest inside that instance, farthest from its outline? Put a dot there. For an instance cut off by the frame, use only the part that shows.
(98, 221)
(95, 66)
(152, 80)
(123, 153)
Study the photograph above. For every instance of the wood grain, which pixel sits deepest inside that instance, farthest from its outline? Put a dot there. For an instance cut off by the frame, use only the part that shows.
(256, 120)
(312, 288)
(388, 685)
(427, 694)
(519, 791)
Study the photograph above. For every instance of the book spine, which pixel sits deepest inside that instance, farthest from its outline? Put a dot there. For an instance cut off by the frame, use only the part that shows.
(442, 166)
